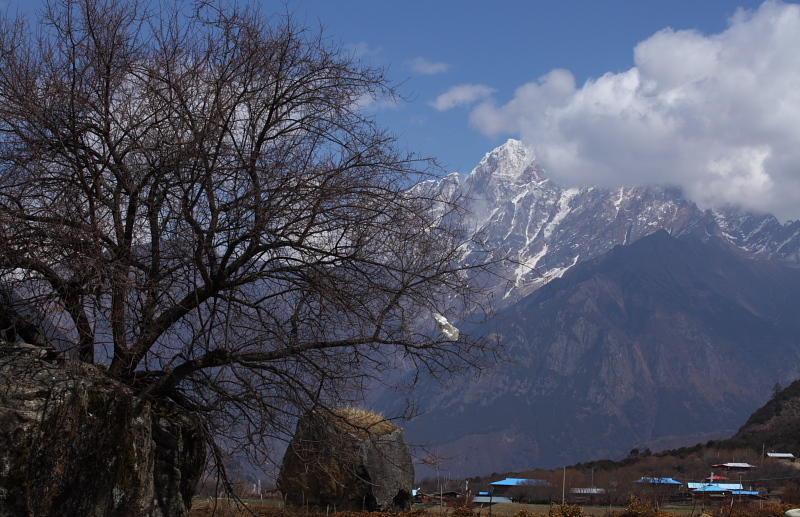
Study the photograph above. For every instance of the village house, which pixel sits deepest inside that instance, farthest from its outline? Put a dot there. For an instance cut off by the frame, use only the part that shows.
(721, 491)
(785, 456)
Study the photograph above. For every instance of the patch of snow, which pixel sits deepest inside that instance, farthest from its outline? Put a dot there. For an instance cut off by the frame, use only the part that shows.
(760, 227)
(787, 241)
(526, 266)
(563, 211)
(559, 271)
(619, 200)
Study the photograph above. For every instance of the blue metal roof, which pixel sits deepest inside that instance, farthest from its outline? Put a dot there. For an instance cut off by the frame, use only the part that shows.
(714, 487)
(711, 488)
(659, 481)
(520, 481)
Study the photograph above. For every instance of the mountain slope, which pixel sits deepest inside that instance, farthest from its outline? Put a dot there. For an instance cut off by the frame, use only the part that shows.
(665, 338)
(774, 426)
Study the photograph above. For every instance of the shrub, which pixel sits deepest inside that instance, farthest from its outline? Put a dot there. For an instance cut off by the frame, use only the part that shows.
(565, 510)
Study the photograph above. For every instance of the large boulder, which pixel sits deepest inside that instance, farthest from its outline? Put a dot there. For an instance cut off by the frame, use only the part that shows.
(350, 460)
(74, 442)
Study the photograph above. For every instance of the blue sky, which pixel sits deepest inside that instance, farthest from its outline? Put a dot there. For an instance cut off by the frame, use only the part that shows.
(500, 44)
(702, 94)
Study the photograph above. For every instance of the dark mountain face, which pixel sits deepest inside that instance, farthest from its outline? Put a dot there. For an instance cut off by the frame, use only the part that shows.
(665, 340)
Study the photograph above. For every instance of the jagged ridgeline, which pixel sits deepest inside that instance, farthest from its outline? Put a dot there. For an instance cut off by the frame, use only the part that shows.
(632, 319)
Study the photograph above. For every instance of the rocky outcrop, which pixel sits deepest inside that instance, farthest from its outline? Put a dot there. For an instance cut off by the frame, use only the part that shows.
(74, 442)
(349, 461)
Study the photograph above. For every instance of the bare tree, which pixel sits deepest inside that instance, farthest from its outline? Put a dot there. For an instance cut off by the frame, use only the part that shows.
(198, 198)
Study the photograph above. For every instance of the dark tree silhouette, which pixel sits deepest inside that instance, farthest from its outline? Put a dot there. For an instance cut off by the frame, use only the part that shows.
(198, 198)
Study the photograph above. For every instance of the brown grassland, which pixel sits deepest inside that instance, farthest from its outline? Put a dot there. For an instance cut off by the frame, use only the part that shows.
(635, 508)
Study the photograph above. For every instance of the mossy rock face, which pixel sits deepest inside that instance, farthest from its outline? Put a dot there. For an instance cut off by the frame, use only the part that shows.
(347, 461)
(82, 444)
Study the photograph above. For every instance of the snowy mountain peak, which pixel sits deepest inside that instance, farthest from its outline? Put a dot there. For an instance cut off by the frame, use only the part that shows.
(510, 164)
(641, 314)
(547, 229)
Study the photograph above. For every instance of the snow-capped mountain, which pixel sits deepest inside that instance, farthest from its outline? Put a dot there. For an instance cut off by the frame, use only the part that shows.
(548, 229)
(660, 325)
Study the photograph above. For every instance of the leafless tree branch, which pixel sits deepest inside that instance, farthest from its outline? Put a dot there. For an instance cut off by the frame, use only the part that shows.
(199, 198)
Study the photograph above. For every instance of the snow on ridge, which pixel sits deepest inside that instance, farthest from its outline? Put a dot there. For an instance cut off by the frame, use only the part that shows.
(618, 202)
(563, 210)
(522, 211)
(520, 196)
(527, 266)
(504, 163)
(790, 239)
(558, 272)
(515, 153)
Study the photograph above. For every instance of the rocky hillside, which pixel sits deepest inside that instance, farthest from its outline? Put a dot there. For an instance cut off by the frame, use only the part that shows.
(775, 426)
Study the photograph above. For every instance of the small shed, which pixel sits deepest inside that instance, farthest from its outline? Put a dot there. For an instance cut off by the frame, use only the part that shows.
(749, 494)
(486, 498)
(734, 466)
(521, 488)
(585, 495)
(785, 456)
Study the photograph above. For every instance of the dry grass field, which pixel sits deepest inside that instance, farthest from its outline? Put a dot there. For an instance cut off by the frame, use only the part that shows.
(634, 509)
(544, 510)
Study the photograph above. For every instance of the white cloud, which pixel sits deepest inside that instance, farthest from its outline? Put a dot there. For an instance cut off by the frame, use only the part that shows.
(420, 65)
(717, 114)
(461, 95)
(362, 49)
(371, 103)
